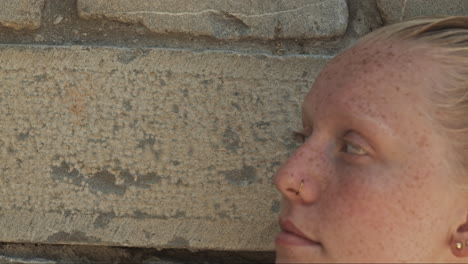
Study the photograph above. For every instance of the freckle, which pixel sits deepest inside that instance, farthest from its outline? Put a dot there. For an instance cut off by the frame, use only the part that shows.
(397, 88)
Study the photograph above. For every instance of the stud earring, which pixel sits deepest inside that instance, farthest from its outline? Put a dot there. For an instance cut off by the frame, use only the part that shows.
(458, 245)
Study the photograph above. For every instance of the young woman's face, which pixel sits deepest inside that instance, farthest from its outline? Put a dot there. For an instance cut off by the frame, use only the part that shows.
(375, 178)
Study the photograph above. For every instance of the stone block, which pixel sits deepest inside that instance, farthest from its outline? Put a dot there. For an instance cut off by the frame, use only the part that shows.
(397, 10)
(145, 147)
(21, 14)
(227, 19)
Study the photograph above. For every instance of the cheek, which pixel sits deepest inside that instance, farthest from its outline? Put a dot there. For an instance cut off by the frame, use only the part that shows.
(380, 194)
(362, 203)
(357, 223)
(378, 218)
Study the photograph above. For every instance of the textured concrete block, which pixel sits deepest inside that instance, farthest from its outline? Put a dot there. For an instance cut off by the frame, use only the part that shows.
(397, 10)
(21, 14)
(145, 147)
(228, 19)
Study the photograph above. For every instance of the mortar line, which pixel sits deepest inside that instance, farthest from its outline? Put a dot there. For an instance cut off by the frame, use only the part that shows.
(316, 56)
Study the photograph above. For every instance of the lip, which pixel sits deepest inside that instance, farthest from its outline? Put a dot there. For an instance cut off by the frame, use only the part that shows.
(290, 235)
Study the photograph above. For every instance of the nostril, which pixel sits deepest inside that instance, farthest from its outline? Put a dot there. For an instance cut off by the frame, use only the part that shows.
(296, 190)
(300, 187)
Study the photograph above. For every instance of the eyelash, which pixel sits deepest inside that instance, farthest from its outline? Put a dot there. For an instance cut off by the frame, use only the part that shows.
(301, 137)
(361, 150)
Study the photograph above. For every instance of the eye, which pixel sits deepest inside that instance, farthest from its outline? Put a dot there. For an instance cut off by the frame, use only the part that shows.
(353, 149)
(301, 135)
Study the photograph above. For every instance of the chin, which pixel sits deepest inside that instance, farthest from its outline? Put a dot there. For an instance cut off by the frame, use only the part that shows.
(297, 255)
(287, 259)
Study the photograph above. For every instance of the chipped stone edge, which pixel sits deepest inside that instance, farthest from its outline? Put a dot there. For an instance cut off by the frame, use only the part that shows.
(7, 259)
(31, 24)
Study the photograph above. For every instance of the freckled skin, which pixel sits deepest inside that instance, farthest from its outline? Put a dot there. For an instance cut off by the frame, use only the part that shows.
(396, 204)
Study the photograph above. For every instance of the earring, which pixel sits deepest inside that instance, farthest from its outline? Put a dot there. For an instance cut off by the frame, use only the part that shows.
(459, 245)
(300, 188)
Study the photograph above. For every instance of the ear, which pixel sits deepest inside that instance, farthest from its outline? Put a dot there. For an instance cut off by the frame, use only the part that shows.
(459, 241)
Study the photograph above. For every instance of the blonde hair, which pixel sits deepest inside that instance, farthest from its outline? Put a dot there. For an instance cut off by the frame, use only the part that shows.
(447, 37)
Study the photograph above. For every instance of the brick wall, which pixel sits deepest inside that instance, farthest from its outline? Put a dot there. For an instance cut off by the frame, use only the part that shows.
(159, 124)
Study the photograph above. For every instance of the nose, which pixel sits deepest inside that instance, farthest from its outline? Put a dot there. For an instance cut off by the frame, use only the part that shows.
(301, 177)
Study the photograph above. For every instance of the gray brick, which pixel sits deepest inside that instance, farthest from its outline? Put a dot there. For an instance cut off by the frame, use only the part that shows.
(21, 14)
(145, 147)
(396, 10)
(228, 19)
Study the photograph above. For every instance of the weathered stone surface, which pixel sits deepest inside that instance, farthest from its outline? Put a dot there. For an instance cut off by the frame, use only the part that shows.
(93, 254)
(228, 19)
(397, 10)
(145, 147)
(21, 14)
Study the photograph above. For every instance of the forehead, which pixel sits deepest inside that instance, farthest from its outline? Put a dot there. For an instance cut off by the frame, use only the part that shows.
(375, 81)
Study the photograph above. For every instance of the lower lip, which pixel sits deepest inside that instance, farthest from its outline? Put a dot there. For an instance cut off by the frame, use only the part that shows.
(289, 239)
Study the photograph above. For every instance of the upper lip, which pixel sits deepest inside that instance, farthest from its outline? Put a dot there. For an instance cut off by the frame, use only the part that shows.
(288, 226)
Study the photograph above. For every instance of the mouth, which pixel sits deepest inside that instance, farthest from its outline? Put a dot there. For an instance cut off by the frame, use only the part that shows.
(290, 235)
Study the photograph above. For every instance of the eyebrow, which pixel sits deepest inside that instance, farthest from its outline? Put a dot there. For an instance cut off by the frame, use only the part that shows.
(366, 120)
(362, 121)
